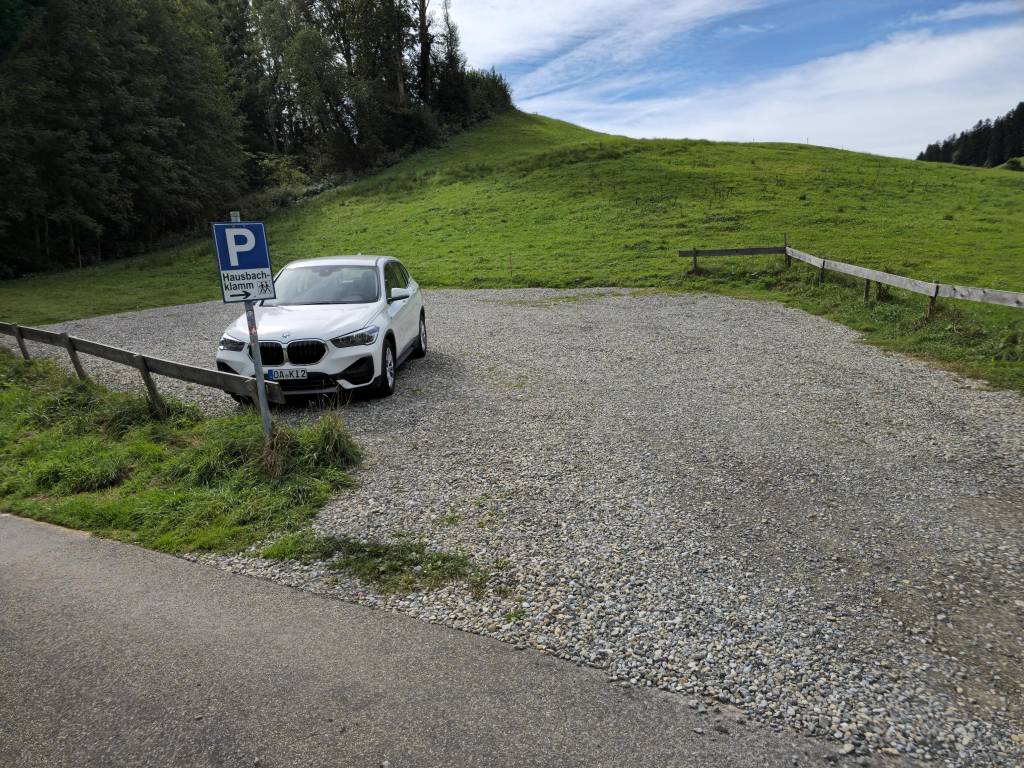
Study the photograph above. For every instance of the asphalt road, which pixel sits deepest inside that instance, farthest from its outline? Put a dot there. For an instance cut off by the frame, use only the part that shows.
(116, 656)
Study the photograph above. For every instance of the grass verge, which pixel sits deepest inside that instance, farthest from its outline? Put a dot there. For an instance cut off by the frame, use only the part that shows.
(986, 342)
(403, 566)
(76, 454)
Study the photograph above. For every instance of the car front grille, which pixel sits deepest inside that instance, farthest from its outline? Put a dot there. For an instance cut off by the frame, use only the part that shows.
(306, 352)
(271, 353)
(299, 352)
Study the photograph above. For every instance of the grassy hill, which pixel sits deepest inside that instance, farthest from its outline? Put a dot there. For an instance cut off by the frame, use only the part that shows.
(530, 201)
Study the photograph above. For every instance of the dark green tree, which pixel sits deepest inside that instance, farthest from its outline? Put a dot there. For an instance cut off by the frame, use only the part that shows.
(120, 129)
(988, 143)
(124, 120)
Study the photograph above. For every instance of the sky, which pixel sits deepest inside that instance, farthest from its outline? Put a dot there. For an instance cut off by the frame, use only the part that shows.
(874, 76)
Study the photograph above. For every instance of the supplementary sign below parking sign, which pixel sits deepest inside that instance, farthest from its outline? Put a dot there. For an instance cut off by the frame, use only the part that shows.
(245, 273)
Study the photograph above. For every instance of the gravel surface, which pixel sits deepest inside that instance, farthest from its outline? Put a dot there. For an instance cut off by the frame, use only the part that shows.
(728, 499)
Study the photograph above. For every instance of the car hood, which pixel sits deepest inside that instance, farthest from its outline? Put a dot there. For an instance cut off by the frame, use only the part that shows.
(311, 321)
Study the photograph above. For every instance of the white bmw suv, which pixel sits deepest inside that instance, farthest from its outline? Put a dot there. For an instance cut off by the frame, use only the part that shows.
(338, 323)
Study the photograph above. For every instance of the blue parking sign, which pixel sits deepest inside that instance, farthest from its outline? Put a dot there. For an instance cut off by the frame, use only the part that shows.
(244, 261)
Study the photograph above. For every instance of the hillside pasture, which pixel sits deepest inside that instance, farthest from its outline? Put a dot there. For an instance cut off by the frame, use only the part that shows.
(529, 201)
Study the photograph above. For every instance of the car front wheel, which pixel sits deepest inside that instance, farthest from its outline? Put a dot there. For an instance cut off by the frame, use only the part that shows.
(421, 343)
(386, 380)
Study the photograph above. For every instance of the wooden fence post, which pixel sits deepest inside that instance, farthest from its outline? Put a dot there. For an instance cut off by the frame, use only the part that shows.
(694, 259)
(21, 343)
(147, 379)
(932, 299)
(785, 245)
(821, 273)
(73, 354)
(254, 393)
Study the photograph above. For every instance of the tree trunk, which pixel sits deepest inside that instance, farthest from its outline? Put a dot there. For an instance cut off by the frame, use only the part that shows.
(340, 31)
(272, 128)
(397, 44)
(72, 244)
(425, 74)
(398, 78)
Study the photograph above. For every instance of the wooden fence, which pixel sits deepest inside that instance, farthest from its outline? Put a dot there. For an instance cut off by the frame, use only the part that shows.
(932, 290)
(244, 386)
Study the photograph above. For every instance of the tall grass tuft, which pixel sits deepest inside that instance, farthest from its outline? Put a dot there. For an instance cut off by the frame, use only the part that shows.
(327, 444)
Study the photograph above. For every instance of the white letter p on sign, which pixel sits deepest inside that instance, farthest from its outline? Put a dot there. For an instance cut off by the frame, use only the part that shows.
(236, 245)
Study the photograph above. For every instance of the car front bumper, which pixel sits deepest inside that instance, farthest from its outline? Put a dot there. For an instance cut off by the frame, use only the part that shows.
(347, 368)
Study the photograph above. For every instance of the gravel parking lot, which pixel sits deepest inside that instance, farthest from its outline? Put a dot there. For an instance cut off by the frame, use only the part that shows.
(728, 499)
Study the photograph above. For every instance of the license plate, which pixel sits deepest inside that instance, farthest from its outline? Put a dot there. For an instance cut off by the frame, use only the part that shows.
(285, 374)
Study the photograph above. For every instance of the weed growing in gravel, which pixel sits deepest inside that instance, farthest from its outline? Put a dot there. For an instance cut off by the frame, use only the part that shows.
(401, 567)
(303, 547)
(519, 382)
(404, 566)
(515, 615)
(487, 520)
(76, 454)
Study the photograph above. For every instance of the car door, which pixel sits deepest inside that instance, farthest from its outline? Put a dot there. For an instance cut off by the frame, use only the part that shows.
(399, 310)
(415, 301)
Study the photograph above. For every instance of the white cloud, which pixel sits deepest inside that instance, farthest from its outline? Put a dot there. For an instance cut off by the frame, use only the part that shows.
(634, 38)
(497, 32)
(574, 37)
(973, 10)
(892, 98)
(743, 30)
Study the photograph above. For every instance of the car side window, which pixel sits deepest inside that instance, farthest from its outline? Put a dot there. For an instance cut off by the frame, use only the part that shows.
(401, 278)
(392, 277)
(405, 273)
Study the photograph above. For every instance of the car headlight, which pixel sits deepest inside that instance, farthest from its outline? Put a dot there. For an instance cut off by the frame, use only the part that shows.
(229, 344)
(358, 338)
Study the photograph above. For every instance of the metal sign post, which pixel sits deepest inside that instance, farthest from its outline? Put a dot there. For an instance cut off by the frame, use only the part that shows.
(257, 361)
(246, 276)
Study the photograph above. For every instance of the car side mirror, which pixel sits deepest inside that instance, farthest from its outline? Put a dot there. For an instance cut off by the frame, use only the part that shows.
(398, 294)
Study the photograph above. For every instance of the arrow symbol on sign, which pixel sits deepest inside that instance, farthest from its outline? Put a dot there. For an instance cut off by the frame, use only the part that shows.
(243, 294)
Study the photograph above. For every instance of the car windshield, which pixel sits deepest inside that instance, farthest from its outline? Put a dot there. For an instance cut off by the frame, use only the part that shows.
(326, 284)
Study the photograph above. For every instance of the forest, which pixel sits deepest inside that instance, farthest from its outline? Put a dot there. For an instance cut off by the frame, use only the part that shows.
(127, 122)
(988, 144)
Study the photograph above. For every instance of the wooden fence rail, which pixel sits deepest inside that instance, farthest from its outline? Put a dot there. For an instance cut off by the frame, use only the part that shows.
(232, 383)
(932, 290)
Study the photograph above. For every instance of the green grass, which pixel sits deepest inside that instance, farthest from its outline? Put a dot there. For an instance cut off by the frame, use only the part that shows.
(403, 566)
(78, 455)
(529, 201)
